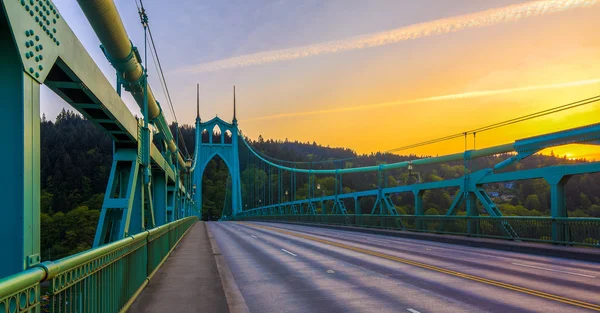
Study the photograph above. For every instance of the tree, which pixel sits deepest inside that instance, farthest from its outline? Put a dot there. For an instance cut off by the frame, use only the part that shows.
(532, 202)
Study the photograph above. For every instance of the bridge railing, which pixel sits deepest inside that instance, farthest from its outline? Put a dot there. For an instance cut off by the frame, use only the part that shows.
(580, 231)
(105, 279)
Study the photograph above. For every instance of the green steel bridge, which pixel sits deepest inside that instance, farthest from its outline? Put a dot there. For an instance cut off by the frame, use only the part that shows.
(154, 193)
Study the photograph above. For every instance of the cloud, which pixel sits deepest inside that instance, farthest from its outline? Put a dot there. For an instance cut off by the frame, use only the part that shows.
(456, 96)
(486, 18)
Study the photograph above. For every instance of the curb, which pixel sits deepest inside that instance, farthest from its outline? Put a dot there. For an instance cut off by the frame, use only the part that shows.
(235, 299)
(574, 253)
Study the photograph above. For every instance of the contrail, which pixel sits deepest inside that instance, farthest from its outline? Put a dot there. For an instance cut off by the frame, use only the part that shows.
(464, 95)
(486, 18)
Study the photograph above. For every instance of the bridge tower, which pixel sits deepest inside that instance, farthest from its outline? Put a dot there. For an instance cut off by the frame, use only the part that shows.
(218, 138)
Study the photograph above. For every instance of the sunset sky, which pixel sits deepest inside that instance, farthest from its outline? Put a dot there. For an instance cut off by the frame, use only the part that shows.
(368, 75)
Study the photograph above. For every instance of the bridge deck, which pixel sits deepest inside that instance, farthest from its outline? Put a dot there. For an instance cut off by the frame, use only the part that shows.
(188, 281)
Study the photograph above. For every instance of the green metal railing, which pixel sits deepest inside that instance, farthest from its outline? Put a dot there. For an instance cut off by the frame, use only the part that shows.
(105, 279)
(579, 231)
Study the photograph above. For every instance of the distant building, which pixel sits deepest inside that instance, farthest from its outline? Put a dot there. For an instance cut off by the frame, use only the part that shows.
(507, 197)
(494, 194)
(509, 185)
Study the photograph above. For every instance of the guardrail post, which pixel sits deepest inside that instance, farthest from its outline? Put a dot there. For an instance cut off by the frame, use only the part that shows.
(418, 193)
(558, 207)
(472, 224)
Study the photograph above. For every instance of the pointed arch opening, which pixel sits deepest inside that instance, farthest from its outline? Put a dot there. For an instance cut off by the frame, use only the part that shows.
(228, 137)
(205, 136)
(216, 189)
(216, 133)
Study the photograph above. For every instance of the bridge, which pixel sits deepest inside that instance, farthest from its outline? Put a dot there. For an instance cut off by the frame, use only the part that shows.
(285, 241)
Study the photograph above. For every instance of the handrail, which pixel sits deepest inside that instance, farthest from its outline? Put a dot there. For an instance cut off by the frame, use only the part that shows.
(145, 252)
(580, 231)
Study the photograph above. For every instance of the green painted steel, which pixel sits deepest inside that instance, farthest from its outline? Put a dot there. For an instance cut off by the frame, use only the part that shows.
(581, 231)
(20, 127)
(470, 186)
(104, 279)
(225, 144)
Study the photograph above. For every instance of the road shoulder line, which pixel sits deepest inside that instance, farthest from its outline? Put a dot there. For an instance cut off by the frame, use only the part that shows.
(233, 295)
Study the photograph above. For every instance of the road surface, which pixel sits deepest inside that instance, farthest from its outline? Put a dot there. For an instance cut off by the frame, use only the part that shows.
(293, 268)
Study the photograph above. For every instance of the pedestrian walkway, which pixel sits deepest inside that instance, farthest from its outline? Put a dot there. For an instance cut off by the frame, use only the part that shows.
(188, 281)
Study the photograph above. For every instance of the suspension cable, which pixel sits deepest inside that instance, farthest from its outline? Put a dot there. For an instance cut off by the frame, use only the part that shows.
(519, 119)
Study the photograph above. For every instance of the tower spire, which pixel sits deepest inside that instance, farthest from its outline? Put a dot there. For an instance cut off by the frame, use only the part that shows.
(198, 101)
(234, 118)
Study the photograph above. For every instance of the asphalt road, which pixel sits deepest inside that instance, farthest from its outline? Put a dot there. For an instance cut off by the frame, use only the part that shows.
(292, 268)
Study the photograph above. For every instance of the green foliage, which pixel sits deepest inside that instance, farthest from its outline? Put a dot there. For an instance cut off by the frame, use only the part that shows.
(432, 211)
(532, 202)
(66, 234)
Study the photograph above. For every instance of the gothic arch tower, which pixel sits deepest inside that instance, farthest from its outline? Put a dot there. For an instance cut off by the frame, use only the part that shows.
(217, 137)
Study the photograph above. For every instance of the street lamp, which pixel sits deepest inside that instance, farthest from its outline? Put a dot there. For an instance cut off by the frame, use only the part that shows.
(319, 188)
(286, 195)
(194, 189)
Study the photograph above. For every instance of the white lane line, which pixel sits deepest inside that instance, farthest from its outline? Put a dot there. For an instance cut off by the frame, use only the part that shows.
(288, 252)
(253, 236)
(551, 270)
(412, 310)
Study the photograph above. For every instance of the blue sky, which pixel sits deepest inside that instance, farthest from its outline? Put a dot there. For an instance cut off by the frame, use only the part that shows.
(540, 50)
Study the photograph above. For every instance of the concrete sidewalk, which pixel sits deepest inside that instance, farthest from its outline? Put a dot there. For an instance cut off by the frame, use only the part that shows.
(188, 281)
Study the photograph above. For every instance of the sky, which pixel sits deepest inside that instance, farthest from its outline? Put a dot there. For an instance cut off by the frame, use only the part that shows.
(370, 75)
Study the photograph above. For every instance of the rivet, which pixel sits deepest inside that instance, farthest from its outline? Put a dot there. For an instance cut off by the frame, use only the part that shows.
(54, 11)
(22, 2)
(27, 55)
(40, 67)
(47, 32)
(54, 39)
(58, 43)
(54, 30)
(31, 2)
(41, 57)
(54, 20)
(48, 22)
(27, 44)
(37, 75)
(31, 13)
(41, 47)
(41, 23)
(44, 17)
(57, 16)
(51, 7)
(31, 70)
(44, 26)
(37, 38)
(31, 42)
(37, 19)
(37, 59)
(31, 31)
(27, 8)
(48, 12)
(37, 49)
(37, 8)
(51, 36)
(27, 33)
